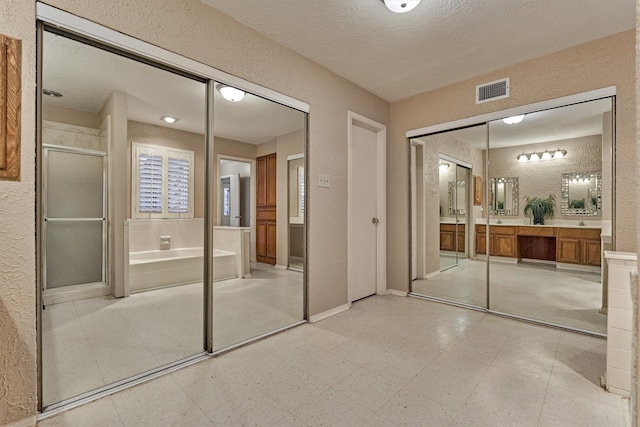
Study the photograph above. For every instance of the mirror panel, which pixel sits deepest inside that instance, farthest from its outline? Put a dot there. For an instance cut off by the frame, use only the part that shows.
(444, 233)
(503, 196)
(552, 272)
(121, 318)
(261, 144)
(582, 193)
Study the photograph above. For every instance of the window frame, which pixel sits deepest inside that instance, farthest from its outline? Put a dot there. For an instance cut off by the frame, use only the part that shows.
(165, 153)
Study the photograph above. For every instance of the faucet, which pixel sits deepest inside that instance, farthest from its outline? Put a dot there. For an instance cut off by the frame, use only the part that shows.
(581, 223)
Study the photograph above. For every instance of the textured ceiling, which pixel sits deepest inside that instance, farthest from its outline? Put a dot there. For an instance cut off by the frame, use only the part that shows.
(86, 76)
(438, 43)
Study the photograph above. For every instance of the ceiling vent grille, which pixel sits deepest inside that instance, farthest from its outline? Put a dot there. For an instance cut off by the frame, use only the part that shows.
(493, 90)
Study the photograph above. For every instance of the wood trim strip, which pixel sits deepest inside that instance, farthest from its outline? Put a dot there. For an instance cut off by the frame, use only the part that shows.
(11, 107)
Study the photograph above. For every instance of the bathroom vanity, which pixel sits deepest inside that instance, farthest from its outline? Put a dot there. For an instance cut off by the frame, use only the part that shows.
(571, 245)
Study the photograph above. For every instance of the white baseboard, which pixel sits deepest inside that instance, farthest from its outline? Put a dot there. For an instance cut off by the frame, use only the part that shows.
(280, 267)
(432, 274)
(75, 292)
(397, 293)
(27, 422)
(336, 310)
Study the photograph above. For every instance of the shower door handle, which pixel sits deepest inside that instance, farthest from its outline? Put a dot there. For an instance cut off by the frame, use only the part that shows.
(375, 220)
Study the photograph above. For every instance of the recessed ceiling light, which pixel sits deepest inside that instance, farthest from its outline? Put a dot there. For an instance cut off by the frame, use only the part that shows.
(230, 93)
(169, 119)
(52, 93)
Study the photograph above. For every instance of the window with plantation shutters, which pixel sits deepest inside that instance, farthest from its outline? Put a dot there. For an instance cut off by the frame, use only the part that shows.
(163, 182)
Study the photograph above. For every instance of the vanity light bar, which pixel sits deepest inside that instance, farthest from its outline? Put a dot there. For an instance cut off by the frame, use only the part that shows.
(533, 156)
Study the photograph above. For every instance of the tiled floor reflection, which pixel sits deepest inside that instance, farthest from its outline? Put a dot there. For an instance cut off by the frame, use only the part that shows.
(389, 361)
(535, 291)
(93, 342)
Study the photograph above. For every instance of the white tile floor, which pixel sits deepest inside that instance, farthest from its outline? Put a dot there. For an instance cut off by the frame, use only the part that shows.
(389, 361)
(536, 291)
(93, 342)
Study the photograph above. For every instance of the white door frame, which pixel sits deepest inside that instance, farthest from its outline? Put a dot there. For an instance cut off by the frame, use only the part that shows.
(381, 195)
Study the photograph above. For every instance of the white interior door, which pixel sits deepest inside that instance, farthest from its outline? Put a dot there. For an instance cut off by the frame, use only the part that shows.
(234, 200)
(366, 274)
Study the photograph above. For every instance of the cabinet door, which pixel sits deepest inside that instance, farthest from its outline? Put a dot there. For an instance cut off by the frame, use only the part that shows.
(261, 240)
(591, 252)
(272, 167)
(504, 245)
(568, 250)
(481, 243)
(261, 181)
(447, 239)
(271, 242)
(461, 239)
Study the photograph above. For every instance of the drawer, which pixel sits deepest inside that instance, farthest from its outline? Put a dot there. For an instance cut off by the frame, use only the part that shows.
(536, 231)
(580, 233)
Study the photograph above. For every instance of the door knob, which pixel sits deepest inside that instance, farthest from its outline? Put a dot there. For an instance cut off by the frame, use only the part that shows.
(375, 220)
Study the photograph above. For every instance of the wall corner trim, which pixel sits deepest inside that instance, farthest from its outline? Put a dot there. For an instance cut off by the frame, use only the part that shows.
(329, 313)
(397, 293)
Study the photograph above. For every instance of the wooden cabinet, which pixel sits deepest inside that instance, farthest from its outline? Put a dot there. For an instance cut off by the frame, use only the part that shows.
(266, 168)
(579, 246)
(568, 245)
(502, 241)
(448, 237)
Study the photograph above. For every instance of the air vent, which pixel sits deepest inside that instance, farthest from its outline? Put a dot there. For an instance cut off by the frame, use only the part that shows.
(492, 91)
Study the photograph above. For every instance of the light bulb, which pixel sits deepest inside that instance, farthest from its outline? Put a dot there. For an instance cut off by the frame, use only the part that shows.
(558, 154)
(534, 157)
(546, 155)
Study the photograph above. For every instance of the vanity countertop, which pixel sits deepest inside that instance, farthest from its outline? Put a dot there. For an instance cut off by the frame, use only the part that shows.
(493, 224)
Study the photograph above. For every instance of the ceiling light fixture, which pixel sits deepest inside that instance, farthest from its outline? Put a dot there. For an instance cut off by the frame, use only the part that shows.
(513, 120)
(444, 166)
(169, 119)
(230, 93)
(401, 6)
(52, 93)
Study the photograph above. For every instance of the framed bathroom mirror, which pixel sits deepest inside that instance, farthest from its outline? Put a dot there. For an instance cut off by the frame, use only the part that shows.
(457, 197)
(503, 197)
(582, 193)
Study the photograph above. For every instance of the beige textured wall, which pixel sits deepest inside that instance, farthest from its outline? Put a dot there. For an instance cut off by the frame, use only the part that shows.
(605, 62)
(17, 256)
(71, 116)
(539, 179)
(165, 137)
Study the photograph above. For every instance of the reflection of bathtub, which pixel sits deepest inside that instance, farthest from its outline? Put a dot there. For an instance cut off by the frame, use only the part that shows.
(159, 268)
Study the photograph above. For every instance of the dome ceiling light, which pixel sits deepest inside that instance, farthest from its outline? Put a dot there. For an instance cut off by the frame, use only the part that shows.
(401, 6)
(230, 93)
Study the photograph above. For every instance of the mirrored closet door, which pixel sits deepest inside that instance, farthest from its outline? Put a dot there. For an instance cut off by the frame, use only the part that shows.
(260, 144)
(540, 219)
(550, 219)
(445, 214)
(122, 216)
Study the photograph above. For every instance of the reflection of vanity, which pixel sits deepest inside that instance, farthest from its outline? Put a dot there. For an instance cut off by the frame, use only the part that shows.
(448, 237)
(561, 244)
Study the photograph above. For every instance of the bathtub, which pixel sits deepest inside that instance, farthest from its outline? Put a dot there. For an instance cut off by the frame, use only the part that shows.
(161, 268)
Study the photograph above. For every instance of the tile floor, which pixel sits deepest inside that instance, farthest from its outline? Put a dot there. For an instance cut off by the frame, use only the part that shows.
(389, 361)
(93, 342)
(536, 291)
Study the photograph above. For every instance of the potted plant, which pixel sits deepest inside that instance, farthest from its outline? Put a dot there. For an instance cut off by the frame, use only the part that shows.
(539, 208)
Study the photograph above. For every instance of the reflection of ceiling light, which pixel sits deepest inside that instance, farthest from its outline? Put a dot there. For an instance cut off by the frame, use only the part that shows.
(513, 120)
(53, 93)
(230, 93)
(547, 155)
(169, 119)
(400, 6)
(444, 166)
